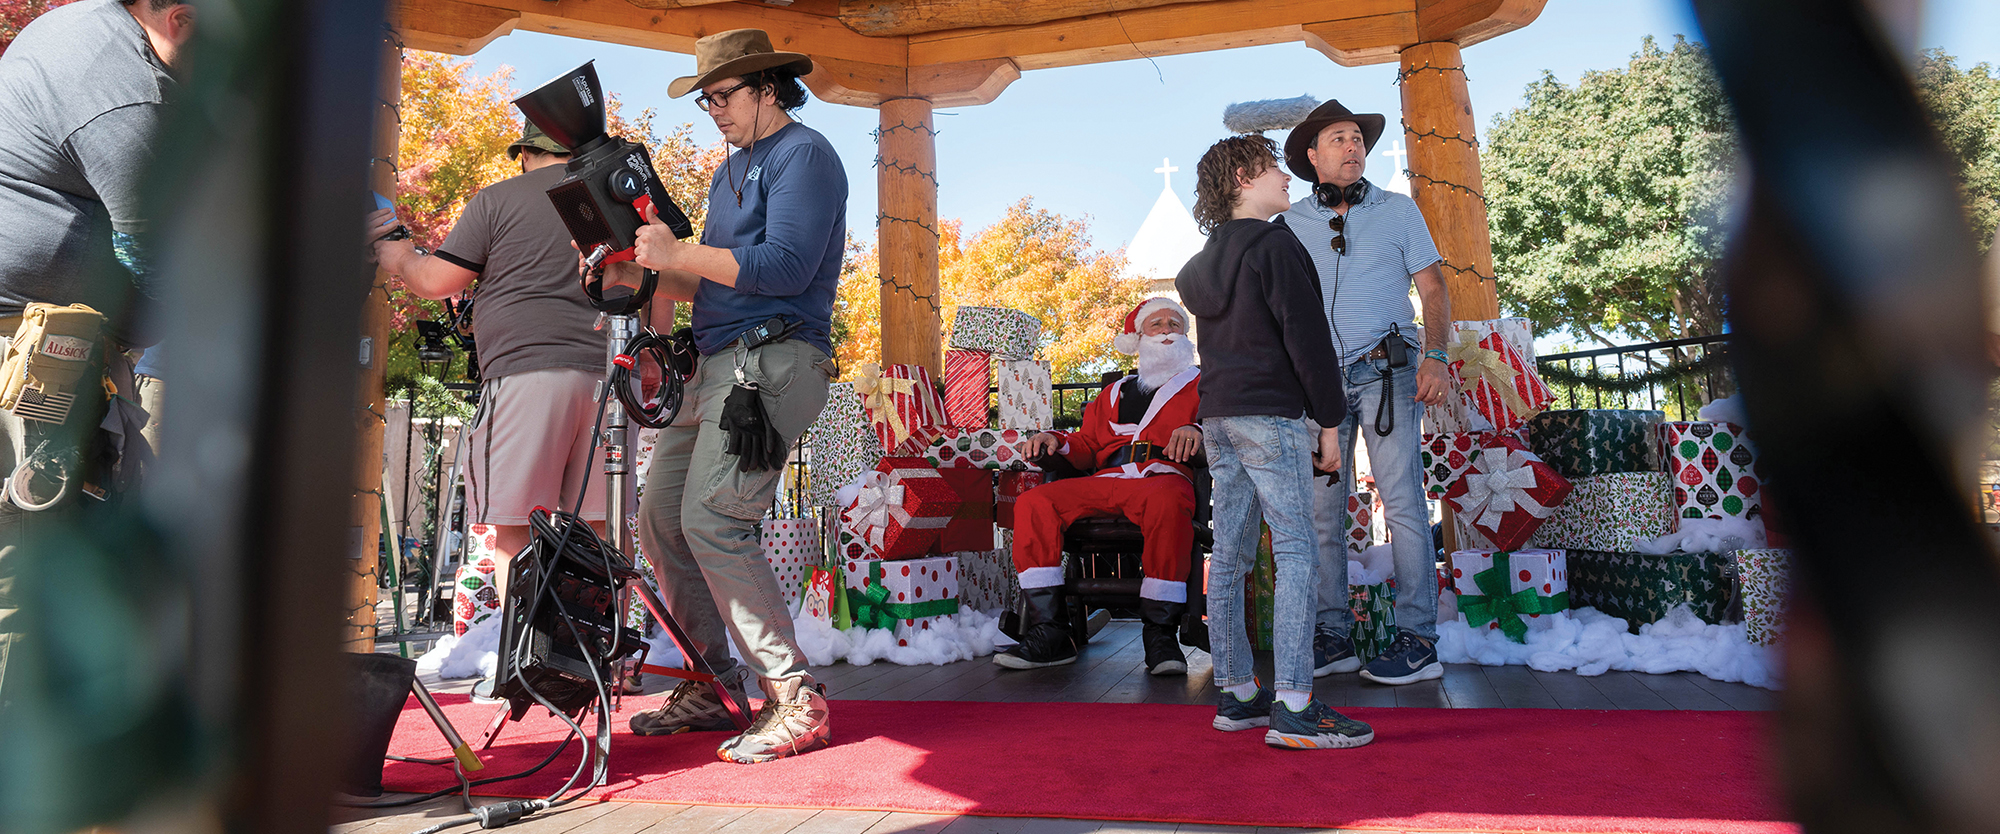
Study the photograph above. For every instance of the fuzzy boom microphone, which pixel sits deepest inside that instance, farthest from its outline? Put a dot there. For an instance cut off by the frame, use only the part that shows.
(1270, 114)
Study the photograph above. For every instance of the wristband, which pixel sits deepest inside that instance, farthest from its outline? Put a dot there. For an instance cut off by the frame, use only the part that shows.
(1437, 354)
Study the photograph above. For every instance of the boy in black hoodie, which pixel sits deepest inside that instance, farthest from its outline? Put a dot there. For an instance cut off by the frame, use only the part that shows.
(1261, 325)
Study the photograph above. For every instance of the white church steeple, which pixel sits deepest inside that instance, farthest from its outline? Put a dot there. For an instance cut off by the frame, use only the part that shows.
(1166, 241)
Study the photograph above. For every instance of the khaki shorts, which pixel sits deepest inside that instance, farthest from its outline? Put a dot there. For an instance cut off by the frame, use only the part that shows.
(531, 446)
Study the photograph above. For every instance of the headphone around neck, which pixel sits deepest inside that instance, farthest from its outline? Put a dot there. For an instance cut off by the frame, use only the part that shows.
(1331, 195)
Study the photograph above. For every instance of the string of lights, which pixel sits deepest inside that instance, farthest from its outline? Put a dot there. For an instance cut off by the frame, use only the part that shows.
(1406, 73)
(912, 170)
(897, 285)
(919, 127)
(1430, 180)
(1431, 133)
(1464, 269)
(884, 217)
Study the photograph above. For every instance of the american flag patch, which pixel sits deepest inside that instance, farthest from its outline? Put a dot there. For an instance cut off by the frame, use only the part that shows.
(35, 404)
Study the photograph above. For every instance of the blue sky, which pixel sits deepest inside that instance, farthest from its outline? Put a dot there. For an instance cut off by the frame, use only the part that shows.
(1083, 141)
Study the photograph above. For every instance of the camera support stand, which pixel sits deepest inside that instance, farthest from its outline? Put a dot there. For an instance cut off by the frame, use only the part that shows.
(620, 328)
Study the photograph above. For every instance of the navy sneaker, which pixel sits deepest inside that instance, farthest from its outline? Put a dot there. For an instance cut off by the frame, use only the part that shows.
(1407, 660)
(1317, 727)
(1332, 653)
(1233, 713)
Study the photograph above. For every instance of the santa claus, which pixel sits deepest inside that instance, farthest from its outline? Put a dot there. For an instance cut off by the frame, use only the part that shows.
(1136, 439)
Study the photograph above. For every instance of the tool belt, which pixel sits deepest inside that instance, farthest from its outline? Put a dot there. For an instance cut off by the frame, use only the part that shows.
(54, 355)
(1138, 453)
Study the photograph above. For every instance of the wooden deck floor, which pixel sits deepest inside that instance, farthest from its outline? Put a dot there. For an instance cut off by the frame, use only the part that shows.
(1107, 672)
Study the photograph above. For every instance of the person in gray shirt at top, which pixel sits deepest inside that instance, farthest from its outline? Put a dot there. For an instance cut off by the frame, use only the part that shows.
(762, 281)
(1369, 246)
(83, 91)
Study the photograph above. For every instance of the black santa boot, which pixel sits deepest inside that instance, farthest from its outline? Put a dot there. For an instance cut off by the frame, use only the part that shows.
(1162, 636)
(1045, 641)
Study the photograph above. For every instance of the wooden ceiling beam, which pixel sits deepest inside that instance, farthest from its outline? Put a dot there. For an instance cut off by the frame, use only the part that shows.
(877, 18)
(944, 85)
(1376, 39)
(674, 4)
(1466, 22)
(1165, 30)
(442, 26)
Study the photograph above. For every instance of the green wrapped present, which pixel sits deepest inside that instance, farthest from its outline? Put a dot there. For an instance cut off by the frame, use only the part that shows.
(1615, 511)
(1596, 441)
(840, 445)
(1005, 333)
(1642, 587)
(1261, 594)
(1511, 591)
(1765, 575)
(1374, 610)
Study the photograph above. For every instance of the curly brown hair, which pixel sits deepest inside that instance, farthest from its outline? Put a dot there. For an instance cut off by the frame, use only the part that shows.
(1215, 184)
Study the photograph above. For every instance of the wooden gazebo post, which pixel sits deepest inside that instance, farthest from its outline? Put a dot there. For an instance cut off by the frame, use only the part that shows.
(907, 235)
(369, 406)
(1444, 174)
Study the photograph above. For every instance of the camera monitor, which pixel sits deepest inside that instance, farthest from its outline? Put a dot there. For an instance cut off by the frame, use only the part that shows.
(609, 181)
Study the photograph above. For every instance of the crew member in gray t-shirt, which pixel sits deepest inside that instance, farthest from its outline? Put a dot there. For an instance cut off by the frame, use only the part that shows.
(531, 444)
(82, 93)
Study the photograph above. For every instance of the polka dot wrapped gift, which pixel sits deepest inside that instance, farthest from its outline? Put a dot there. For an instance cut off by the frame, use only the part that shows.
(1714, 468)
(907, 596)
(791, 546)
(1511, 591)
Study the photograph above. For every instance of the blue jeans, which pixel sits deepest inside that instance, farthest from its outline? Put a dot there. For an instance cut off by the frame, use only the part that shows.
(1262, 467)
(1398, 464)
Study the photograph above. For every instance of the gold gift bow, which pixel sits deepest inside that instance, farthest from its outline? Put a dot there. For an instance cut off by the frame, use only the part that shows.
(1490, 367)
(878, 395)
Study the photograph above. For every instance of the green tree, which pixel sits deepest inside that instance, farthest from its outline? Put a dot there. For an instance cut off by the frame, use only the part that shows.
(1964, 105)
(1608, 199)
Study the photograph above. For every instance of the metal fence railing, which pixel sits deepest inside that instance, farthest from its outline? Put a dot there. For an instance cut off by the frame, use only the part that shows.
(1677, 376)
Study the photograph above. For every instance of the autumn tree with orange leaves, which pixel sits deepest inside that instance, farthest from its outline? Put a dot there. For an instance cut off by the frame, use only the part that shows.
(1032, 260)
(455, 130)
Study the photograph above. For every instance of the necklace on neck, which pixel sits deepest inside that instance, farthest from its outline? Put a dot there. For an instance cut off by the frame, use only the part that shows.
(747, 151)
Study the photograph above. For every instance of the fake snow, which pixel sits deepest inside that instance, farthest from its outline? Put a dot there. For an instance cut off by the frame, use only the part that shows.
(1707, 535)
(1372, 566)
(1725, 410)
(471, 655)
(962, 636)
(1592, 643)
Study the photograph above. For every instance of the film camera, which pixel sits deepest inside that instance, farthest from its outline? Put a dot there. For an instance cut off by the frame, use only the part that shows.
(608, 181)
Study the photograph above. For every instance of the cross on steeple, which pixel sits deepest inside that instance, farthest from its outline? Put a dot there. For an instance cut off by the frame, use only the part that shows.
(1167, 169)
(1397, 153)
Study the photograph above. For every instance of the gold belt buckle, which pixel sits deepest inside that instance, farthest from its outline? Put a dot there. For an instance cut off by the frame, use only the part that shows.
(1143, 452)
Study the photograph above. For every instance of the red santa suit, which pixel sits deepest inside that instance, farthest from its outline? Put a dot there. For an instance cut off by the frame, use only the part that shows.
(1157, 494)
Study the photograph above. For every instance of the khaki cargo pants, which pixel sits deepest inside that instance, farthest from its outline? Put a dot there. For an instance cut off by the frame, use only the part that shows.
(700, 518)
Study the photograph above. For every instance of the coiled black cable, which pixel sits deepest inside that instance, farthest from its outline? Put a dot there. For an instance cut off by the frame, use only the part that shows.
(648, 349)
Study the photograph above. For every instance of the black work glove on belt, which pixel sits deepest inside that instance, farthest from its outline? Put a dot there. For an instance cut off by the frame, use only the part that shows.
(752, 439)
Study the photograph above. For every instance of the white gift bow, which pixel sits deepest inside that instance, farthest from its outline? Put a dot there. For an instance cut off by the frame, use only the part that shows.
(880, 502)
(1490, 496)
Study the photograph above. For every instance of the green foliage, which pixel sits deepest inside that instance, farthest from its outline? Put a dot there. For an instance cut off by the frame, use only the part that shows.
(1964, 106)
(1608, 199)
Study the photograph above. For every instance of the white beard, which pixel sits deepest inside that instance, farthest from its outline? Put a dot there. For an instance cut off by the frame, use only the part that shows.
(1161, 357)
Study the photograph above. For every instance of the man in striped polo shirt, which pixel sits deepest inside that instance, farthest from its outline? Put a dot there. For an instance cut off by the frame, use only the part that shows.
(1370, 245)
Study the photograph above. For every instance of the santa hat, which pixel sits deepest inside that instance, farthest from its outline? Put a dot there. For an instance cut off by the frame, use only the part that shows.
(1128, 341)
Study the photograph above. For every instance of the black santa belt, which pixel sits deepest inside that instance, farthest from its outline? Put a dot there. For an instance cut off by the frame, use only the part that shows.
(1139, 454)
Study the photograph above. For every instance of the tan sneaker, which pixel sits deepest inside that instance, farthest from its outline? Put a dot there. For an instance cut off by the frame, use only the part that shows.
(691, 707)
(793, 720)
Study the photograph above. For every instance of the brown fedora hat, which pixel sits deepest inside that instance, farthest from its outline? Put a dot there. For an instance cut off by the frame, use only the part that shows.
(1303, 135)
(732, 53)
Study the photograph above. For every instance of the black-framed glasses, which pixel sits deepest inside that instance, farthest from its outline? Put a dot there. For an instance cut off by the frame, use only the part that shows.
(720, 99)
(1338, 223)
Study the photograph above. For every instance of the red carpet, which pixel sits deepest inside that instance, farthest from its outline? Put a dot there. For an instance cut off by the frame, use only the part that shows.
(1428, 770)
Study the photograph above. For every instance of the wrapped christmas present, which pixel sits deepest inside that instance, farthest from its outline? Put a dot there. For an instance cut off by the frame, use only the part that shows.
(842, 445)
(1765, 577)
(968, 378)
(1511, 591)
(901, 405)
(1447, 456)
(1261, 595)
(980, 449)
(1495, 381)
(1596, 441)
(1642, 587)
(1008, 487)
(971, 527)
(987, 580)
(817, 601)
(904, 596)
(1714, 470)
(1452, 414)
(1615, 511)
(1508, 493)
(900, 513)
(1357, 524)
(1008, 334)
(1371, 598)
(1026, 394)
(791, 546)
(474, 597)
